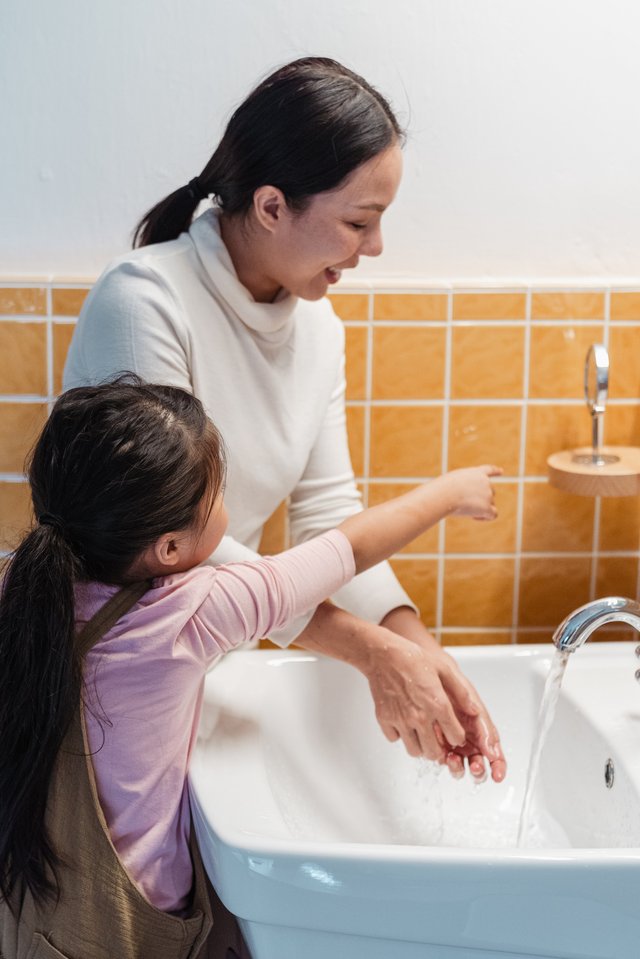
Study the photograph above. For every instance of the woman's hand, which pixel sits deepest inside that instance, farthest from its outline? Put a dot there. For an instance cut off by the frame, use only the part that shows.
(419, 692)
(425, 699)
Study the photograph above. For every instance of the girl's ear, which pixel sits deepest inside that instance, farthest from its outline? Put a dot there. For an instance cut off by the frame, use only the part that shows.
(269, 205)
(161, 557)
(165, 550)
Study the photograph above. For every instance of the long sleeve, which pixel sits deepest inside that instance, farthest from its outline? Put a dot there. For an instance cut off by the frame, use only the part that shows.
(131, 322)
(249, 600)
(327, 494)
(232, 551)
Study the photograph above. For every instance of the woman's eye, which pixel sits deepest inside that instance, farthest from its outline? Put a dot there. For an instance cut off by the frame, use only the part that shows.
(358, 226)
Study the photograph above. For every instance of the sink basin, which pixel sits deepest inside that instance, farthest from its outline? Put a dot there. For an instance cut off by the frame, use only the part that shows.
(328, 841)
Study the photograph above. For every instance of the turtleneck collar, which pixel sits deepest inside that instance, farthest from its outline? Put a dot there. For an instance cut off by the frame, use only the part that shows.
(214, 256)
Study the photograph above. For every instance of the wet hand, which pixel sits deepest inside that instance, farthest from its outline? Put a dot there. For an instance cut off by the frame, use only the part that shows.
(481, 746)
(422, 698)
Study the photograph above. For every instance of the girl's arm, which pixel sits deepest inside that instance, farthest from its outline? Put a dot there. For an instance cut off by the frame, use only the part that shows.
(380, 531)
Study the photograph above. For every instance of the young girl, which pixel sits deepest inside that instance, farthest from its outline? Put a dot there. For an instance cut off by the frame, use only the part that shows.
(104, 604)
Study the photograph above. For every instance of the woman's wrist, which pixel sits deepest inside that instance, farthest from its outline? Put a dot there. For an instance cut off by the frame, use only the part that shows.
(335, 632)
(406, 623)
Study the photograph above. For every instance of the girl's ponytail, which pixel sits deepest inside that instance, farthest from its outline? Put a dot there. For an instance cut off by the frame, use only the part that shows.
(40, 678)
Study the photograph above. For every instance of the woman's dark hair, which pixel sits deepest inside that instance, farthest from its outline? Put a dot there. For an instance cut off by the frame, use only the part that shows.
(304, 130)
(115, 467)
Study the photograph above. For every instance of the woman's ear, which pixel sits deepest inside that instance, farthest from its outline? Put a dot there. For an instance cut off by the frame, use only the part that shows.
(269, 207)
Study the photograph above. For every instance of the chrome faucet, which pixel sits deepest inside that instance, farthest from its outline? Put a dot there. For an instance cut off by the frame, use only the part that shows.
(579, 625)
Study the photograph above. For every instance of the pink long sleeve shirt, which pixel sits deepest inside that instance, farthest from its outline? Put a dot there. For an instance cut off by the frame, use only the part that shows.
(144, 691)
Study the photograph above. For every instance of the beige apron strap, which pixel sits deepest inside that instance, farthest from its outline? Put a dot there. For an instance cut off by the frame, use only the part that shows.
(197, 927)
(109, 614)
(90, 634)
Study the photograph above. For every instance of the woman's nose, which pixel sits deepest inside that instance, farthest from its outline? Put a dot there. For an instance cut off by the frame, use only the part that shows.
(372, 244)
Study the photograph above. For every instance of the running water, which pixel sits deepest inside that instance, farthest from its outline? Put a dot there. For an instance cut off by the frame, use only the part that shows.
(545, 718)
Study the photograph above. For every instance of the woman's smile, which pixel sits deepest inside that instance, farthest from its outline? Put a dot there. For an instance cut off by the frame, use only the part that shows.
(345, 221)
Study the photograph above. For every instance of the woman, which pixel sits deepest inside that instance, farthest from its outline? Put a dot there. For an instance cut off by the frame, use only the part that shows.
(232, 307)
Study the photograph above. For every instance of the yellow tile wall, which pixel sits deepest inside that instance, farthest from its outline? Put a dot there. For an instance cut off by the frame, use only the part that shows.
(437, 379)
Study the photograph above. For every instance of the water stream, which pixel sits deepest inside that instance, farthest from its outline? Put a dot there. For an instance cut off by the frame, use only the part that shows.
(545, 719)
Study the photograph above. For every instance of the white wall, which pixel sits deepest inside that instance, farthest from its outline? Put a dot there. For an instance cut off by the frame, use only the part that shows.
(524, 152)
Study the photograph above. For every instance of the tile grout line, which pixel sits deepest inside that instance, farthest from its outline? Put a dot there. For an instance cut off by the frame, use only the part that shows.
(418, 284)
(40, 318)
(368, 391)
(24, 398)
(382, 324)
(444, 463)
(493, 401)
(517, 568)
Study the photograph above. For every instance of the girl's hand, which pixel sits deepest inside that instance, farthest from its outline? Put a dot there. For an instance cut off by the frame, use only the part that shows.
(472, 492)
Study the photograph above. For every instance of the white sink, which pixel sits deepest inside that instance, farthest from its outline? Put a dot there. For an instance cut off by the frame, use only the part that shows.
(328, 842)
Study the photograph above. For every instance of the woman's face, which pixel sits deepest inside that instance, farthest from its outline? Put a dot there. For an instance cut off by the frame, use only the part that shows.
(337, 228)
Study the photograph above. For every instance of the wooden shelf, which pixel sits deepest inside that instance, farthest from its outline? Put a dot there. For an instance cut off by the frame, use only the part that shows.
(613, 479)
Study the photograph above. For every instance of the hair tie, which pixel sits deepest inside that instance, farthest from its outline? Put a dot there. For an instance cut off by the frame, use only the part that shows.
(196, 189)
(48, 519)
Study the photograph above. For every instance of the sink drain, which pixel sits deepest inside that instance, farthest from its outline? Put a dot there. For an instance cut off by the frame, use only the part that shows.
(609, 773)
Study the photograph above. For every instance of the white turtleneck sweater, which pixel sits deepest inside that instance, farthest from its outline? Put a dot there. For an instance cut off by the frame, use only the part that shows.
(270, 376)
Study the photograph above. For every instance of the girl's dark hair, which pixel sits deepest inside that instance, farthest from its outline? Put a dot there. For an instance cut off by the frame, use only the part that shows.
(116, 466)
(303, 129)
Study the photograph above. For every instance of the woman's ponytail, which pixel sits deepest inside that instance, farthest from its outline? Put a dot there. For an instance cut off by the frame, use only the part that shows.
(172, 216)
(40, 677)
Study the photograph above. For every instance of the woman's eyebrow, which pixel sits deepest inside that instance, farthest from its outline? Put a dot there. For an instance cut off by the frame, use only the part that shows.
(371, 206)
